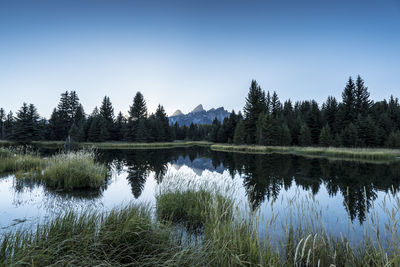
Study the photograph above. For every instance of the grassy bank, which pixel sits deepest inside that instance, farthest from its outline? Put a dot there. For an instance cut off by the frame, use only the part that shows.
(120, 145)
(62, 171)
(365, 154)
(372, 154)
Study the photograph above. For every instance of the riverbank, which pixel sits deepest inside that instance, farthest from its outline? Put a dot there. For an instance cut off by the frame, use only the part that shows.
(369, 154)
(364, 154)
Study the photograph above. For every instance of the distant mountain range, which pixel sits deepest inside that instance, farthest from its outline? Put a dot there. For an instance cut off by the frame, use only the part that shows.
(198, 116)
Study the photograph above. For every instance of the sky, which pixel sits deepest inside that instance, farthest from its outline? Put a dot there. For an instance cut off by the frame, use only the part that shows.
(184, 53)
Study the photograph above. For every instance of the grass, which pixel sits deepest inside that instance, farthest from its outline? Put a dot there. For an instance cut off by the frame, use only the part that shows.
(75, 170)
(122, 237)
(363, 154)
(370, 154)
(120, 145)
(131, 236)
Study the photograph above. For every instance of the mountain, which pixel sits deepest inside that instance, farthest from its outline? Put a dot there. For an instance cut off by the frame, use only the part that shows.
(198, 116)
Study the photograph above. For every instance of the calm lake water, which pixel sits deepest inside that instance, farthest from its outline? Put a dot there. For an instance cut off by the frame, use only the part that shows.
(342, 193)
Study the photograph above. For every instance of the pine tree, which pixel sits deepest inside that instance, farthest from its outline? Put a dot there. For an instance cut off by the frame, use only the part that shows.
(25, 128)
(394, 140)
(120, 127)
(107, 119)
(348, 109)
(276, 106)
(305, 136)
(255, 105)
(350, 136)
(362, 102)
(137, 112)
(286, 137)
(325, 138)
(163, 128)
(329, 110)
(240, 134)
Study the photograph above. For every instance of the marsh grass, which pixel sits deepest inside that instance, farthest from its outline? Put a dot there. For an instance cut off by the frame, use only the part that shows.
(122, 237)
(230, 236)
(369, 154)
(75, 170)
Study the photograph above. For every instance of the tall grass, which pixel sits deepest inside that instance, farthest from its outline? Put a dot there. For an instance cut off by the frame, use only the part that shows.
(230, 234)
(68, 171)
(122, 237)
(73, 171)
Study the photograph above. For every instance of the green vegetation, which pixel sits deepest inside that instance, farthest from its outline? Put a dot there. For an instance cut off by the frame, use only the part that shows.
(192, 208)
(62, 171)
(329, 152)
(230, 235)
(122, 237)
(74, 170)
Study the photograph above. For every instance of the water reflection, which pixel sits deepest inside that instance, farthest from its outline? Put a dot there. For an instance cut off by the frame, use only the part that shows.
(264, 176)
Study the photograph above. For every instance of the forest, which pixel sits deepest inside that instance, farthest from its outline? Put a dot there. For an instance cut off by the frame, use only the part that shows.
(354, 121)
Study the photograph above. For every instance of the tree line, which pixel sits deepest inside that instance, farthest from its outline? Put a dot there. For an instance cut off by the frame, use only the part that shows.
(355, 121)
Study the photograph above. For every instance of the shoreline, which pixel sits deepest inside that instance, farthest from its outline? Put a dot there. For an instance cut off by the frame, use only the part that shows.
(360, 154)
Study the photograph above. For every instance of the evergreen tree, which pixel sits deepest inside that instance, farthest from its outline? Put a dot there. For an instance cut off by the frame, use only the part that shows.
(305, 136)
(240, 133)
(348, 110)
(367, 131)
(325, 138)
(276, 106)
(137, 112)
(394, 140)
(329, 111)
(362, 102)
(120, 127)
(162, 122)
(350, 136)
(286, 137)
(25, 128)
(107, 120)
(255, 105)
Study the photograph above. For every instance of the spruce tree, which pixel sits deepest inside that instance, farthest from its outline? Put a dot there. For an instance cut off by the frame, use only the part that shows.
(240, 134)
(362, 101)
(286, 137)
(255, 105)
(348, 109)
(393, 140)
(107, 119)
(329, 110)
(276, 105)
(25, 127)
(325, 138)
(350, 135)
(305, 136)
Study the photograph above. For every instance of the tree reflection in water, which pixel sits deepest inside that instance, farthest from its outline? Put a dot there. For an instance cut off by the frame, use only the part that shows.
(265, 176)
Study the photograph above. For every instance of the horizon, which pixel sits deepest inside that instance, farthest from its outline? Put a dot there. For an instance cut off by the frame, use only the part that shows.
(183, 53)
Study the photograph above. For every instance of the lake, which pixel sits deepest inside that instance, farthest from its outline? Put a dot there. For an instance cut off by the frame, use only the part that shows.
(287, 188)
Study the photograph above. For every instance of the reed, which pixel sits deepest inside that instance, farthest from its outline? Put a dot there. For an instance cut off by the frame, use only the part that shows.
(67, 171)
(74, 171)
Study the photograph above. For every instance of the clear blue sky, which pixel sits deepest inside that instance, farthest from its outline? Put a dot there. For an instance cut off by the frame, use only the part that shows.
(183, 53)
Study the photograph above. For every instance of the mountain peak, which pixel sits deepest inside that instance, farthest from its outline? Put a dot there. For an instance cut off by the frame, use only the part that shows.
(199, 108)
(177, 113)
